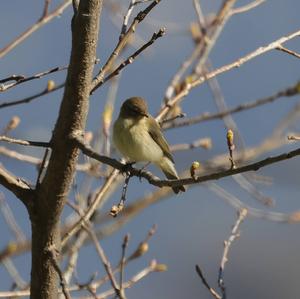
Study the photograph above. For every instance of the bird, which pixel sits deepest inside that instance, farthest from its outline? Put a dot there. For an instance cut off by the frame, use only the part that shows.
(138, 137)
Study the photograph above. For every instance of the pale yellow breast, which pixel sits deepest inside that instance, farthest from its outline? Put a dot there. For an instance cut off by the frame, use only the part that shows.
(132, 139)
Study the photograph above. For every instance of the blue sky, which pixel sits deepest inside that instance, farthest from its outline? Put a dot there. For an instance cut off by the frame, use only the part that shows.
(264, 262)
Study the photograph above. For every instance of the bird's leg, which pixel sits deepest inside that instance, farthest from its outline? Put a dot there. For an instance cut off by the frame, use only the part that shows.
(116, 209)
(142, 169)
(127, 167)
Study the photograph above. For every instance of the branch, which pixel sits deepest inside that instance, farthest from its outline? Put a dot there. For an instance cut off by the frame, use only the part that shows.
(217, 26)
(127, 16)
(288, 92)
(131, 58)
(31, 98)
(21, 79)
(42, 21)
(153, 267)
(246, 7)
(205, 143)
(14, 184)
(25, 142)
(203, 48)
(121, 44)
(204, 281)
(288, 51)
(234, 235)
(260, 51)
(105, 262)
(187, 181)
(122, 262)
(92, 207)
(54, 256)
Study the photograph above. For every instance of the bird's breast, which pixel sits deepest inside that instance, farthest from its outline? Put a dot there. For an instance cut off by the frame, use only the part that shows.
(132, 139)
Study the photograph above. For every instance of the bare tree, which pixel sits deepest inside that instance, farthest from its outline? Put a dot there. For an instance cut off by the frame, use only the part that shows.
(45, 200)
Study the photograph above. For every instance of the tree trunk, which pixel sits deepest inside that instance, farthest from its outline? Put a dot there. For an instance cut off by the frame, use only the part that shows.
(50, 195)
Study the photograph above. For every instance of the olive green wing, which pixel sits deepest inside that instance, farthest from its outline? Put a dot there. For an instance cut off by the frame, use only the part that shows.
(156, 134)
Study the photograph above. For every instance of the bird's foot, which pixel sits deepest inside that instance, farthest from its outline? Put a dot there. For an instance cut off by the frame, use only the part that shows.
(126, 168)
(141, 170)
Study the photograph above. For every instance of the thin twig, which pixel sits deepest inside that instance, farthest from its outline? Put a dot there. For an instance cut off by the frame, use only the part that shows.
(11, 220)
(105, 262)
(73, 255)
(46, 8)
(92, 207)
(234, 234)
(131, 58)
(14, 273)
(141, 249)
(21, 79)
(205, 143)
(128, 14)
(12, 124)
(288, 51)
(25, 142)
(122, 263)
(171, 119)
(246, 7)
(204, 281)
(239, 62)
(31, 98)
(121, 44)
(253, 191)
(216, 28)
(42, 21)
(292, 137)
(288, 92)
(42, 167)
(53, 252)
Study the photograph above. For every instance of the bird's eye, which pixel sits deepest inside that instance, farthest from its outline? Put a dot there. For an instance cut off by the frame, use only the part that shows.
(136, 109)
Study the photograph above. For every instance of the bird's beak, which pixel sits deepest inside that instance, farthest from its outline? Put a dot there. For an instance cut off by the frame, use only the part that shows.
(145, 114)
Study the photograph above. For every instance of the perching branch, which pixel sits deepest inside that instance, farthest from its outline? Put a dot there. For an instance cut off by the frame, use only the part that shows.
(187, 181)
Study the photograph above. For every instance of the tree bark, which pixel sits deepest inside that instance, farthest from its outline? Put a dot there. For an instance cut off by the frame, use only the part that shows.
(50, 195)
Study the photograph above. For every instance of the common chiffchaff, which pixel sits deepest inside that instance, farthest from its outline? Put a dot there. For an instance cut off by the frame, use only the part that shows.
(138, 136)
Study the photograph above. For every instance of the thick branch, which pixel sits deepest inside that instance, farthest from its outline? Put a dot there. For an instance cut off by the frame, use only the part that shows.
(14, 184)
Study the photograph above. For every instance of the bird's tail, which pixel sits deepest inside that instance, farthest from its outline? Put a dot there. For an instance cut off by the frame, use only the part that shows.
(168, 168)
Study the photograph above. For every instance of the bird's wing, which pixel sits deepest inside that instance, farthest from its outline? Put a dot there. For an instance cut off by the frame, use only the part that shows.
(155, 132)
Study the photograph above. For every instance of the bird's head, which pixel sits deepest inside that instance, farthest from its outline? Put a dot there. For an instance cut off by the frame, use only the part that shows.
(135, 107)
